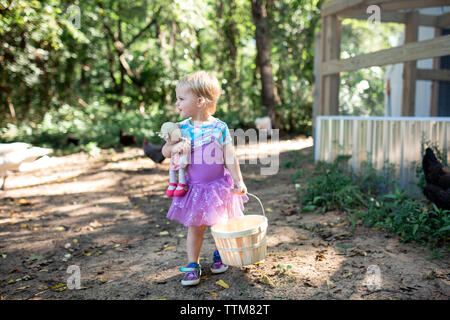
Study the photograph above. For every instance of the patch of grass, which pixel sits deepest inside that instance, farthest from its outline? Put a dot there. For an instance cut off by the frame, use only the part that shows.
(330, 187)
(376, 200)
(297, 158)
(436, 254)
(411, 219)
(283, 269)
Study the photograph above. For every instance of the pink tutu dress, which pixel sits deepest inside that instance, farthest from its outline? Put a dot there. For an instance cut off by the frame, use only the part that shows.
(209, 199)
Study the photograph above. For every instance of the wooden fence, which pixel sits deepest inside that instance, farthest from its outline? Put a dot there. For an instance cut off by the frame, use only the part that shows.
(381, 141)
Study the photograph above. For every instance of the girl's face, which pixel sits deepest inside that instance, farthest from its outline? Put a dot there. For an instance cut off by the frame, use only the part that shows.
(188, 104)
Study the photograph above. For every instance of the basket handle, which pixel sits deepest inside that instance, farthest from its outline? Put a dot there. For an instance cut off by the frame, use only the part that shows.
(262, 207)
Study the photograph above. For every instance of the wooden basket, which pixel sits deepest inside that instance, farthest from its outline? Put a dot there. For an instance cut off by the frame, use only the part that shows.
(242, 241)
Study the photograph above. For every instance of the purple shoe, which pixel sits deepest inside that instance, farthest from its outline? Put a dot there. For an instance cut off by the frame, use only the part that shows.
(192, 275)
(217, 265)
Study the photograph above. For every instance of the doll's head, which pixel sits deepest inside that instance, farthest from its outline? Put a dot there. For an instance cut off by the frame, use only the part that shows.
(170, 132)
(205, 86)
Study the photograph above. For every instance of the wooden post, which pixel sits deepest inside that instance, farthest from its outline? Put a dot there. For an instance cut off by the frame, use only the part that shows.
(316, 94)
(410, 68)
(321, 79)
(434, 83)
(331, 49)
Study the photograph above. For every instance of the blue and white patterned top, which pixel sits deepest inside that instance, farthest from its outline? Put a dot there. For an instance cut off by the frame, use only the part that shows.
(200, 135)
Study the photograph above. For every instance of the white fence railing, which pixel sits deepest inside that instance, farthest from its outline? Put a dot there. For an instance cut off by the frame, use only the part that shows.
(380, 140)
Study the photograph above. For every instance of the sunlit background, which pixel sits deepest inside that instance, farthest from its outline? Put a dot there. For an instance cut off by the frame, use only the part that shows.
(82, 70)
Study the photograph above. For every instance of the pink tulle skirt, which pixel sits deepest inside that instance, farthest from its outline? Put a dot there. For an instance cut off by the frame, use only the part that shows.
(209, 199)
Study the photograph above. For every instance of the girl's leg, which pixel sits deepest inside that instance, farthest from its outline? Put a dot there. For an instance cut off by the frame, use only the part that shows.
(194, 242)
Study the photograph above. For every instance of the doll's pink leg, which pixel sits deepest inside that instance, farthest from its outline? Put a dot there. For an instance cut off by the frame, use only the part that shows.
(181, 176)
(173, 176)
(181, 188)
(172, 183)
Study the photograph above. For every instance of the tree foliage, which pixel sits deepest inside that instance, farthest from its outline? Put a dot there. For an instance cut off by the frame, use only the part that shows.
(126, 57)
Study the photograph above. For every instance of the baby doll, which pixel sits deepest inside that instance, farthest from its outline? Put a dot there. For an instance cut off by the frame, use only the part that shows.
(178, 162)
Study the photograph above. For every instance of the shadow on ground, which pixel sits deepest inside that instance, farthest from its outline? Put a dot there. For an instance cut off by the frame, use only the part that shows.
(109, 220)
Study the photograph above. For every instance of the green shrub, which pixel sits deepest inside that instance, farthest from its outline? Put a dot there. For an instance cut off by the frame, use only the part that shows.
(331, 187)
(96, 124)
(411, 219)
(376, 200)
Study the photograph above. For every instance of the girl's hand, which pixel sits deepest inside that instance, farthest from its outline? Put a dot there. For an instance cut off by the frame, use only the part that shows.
(181, 147)
(240, 188)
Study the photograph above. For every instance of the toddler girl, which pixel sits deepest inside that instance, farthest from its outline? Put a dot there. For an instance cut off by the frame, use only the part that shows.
(216, 191)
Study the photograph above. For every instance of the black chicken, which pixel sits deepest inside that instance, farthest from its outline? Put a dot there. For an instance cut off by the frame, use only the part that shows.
(153, 151)
(126, 139)
(437, 189)
(71, 140)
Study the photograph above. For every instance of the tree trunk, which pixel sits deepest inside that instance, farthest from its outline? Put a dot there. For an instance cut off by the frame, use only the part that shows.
(120, 48)
(44, 88)
(231, 34)
(12, 111)
(111, 63)
(121, 86)
(173, 45)
(69, 73)
(198, 50)
(220, 53)
(263, 48)
(85, 76)
(163, 46)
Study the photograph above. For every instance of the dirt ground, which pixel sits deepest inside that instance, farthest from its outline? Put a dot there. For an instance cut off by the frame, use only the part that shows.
(107, 215)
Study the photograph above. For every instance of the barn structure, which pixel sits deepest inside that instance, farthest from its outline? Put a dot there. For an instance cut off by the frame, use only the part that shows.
(399, 137)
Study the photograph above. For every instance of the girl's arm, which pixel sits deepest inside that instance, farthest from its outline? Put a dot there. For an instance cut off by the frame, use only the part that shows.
(174, 147)
(232, 164)
(167, 149)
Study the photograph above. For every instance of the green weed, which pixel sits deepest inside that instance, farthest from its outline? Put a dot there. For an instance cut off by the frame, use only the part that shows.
(376, 200)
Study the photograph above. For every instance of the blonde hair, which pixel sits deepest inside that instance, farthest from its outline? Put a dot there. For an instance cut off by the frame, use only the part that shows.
(204, 85)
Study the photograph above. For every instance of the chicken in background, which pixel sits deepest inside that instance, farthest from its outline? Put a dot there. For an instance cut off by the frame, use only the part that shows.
(126, 139)
(264, 124)
(437, 189)
(12, 155)
(153, 151)
(72, 140)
